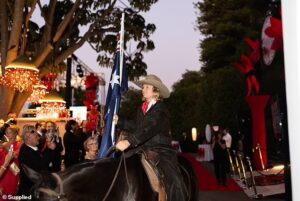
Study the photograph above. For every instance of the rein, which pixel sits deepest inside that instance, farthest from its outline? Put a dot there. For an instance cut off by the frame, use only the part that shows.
(189, 188)
(59, 196)
(116, 174)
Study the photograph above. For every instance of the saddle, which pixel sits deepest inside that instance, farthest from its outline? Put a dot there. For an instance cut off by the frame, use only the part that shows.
(149, 161)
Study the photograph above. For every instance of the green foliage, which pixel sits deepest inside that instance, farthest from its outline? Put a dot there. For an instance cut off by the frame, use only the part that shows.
(214, 98)
(95, 22)
(225, 24)
(130, 102)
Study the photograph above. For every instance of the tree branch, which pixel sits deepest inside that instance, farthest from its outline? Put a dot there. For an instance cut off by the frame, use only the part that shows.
(66, 53)
(19, 98)
(43, 55)
(13, 44)
(24, 38)
(48, 23)
(46, 42)
(4, 34)
(63, 25)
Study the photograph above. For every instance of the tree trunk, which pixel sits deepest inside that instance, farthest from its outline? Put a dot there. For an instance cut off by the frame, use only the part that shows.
(6, 101)
(13, 45)
(4, 33)
(11, 101)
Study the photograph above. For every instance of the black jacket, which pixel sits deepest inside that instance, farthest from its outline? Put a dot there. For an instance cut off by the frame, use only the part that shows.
(73, 148)
(34, 160)
(2, 130)
(150, 130)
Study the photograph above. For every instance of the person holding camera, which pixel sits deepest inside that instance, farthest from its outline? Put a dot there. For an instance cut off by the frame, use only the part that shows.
(220, 158)
(11, 120)
(53, 147)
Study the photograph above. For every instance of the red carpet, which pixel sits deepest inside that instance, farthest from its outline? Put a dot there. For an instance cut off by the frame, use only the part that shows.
(207, 181)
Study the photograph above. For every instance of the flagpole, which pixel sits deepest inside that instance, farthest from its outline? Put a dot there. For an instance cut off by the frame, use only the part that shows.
(121, 43)
(122, 46)
(118, 85)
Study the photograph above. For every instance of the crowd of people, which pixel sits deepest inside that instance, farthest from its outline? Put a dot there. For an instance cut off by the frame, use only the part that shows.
(41, 148)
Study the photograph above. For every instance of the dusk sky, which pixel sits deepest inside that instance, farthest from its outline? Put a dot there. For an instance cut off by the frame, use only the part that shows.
(176, 40)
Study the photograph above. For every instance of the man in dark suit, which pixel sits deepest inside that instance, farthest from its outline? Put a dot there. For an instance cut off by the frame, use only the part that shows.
(31, 157)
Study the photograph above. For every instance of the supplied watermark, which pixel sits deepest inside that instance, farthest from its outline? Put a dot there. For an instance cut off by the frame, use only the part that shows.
(16, 197)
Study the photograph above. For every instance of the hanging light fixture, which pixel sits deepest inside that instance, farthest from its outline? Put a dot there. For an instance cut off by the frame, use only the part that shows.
(1, 80)
(38, 93)
(21, 74)
(52, 106)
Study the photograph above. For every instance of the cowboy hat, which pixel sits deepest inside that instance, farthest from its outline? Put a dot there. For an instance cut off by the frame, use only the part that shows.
(156, 82)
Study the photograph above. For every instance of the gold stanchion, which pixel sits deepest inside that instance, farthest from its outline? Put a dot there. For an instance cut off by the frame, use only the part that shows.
(258, 147)
(243, 171)
(237, 164)
(230, 160)
(256, 195)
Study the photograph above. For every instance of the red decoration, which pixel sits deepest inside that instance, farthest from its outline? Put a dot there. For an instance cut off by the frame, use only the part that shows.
(90, 98)
(275, 32)
(91, 84)
(246, 67)
(257, 105)
(48, 81)
(91, 81)
(255, 46)
(93, 118)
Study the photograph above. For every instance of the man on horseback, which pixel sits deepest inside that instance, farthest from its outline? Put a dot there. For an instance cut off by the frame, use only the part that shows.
(151, 134)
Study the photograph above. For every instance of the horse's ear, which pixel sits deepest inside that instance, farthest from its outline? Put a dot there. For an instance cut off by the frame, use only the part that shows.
(34, 176)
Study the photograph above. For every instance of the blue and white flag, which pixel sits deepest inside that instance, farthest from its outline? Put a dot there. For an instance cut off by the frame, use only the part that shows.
(117, 85)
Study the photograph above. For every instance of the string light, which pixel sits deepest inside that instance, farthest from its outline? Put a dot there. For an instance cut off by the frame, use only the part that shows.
(38, 93)
(52, 106)
(21, 75)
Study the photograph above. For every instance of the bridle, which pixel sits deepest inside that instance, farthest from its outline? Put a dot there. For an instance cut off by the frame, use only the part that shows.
(57, 196)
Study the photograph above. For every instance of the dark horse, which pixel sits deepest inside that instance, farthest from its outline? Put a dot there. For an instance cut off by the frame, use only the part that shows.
(119, 179)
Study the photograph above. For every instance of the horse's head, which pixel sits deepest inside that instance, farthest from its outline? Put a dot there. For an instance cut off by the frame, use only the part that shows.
(47, 187)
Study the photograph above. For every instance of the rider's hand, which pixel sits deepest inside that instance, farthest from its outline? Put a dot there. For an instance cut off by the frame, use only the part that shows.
(115, 119)
(122, 145)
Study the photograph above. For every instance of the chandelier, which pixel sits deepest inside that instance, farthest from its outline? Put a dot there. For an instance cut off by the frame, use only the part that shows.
(38, 93)
(52, 106)
(1, 79)
(21, 74)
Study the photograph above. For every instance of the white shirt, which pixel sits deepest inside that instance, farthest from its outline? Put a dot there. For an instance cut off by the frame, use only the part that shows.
(34, 148)
(152, 102)
(228, 140)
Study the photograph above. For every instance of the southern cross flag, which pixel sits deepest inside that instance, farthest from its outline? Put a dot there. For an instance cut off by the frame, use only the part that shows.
(117, 85)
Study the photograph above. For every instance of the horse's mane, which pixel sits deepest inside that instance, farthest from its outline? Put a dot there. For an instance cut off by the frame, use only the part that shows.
(91, 164)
